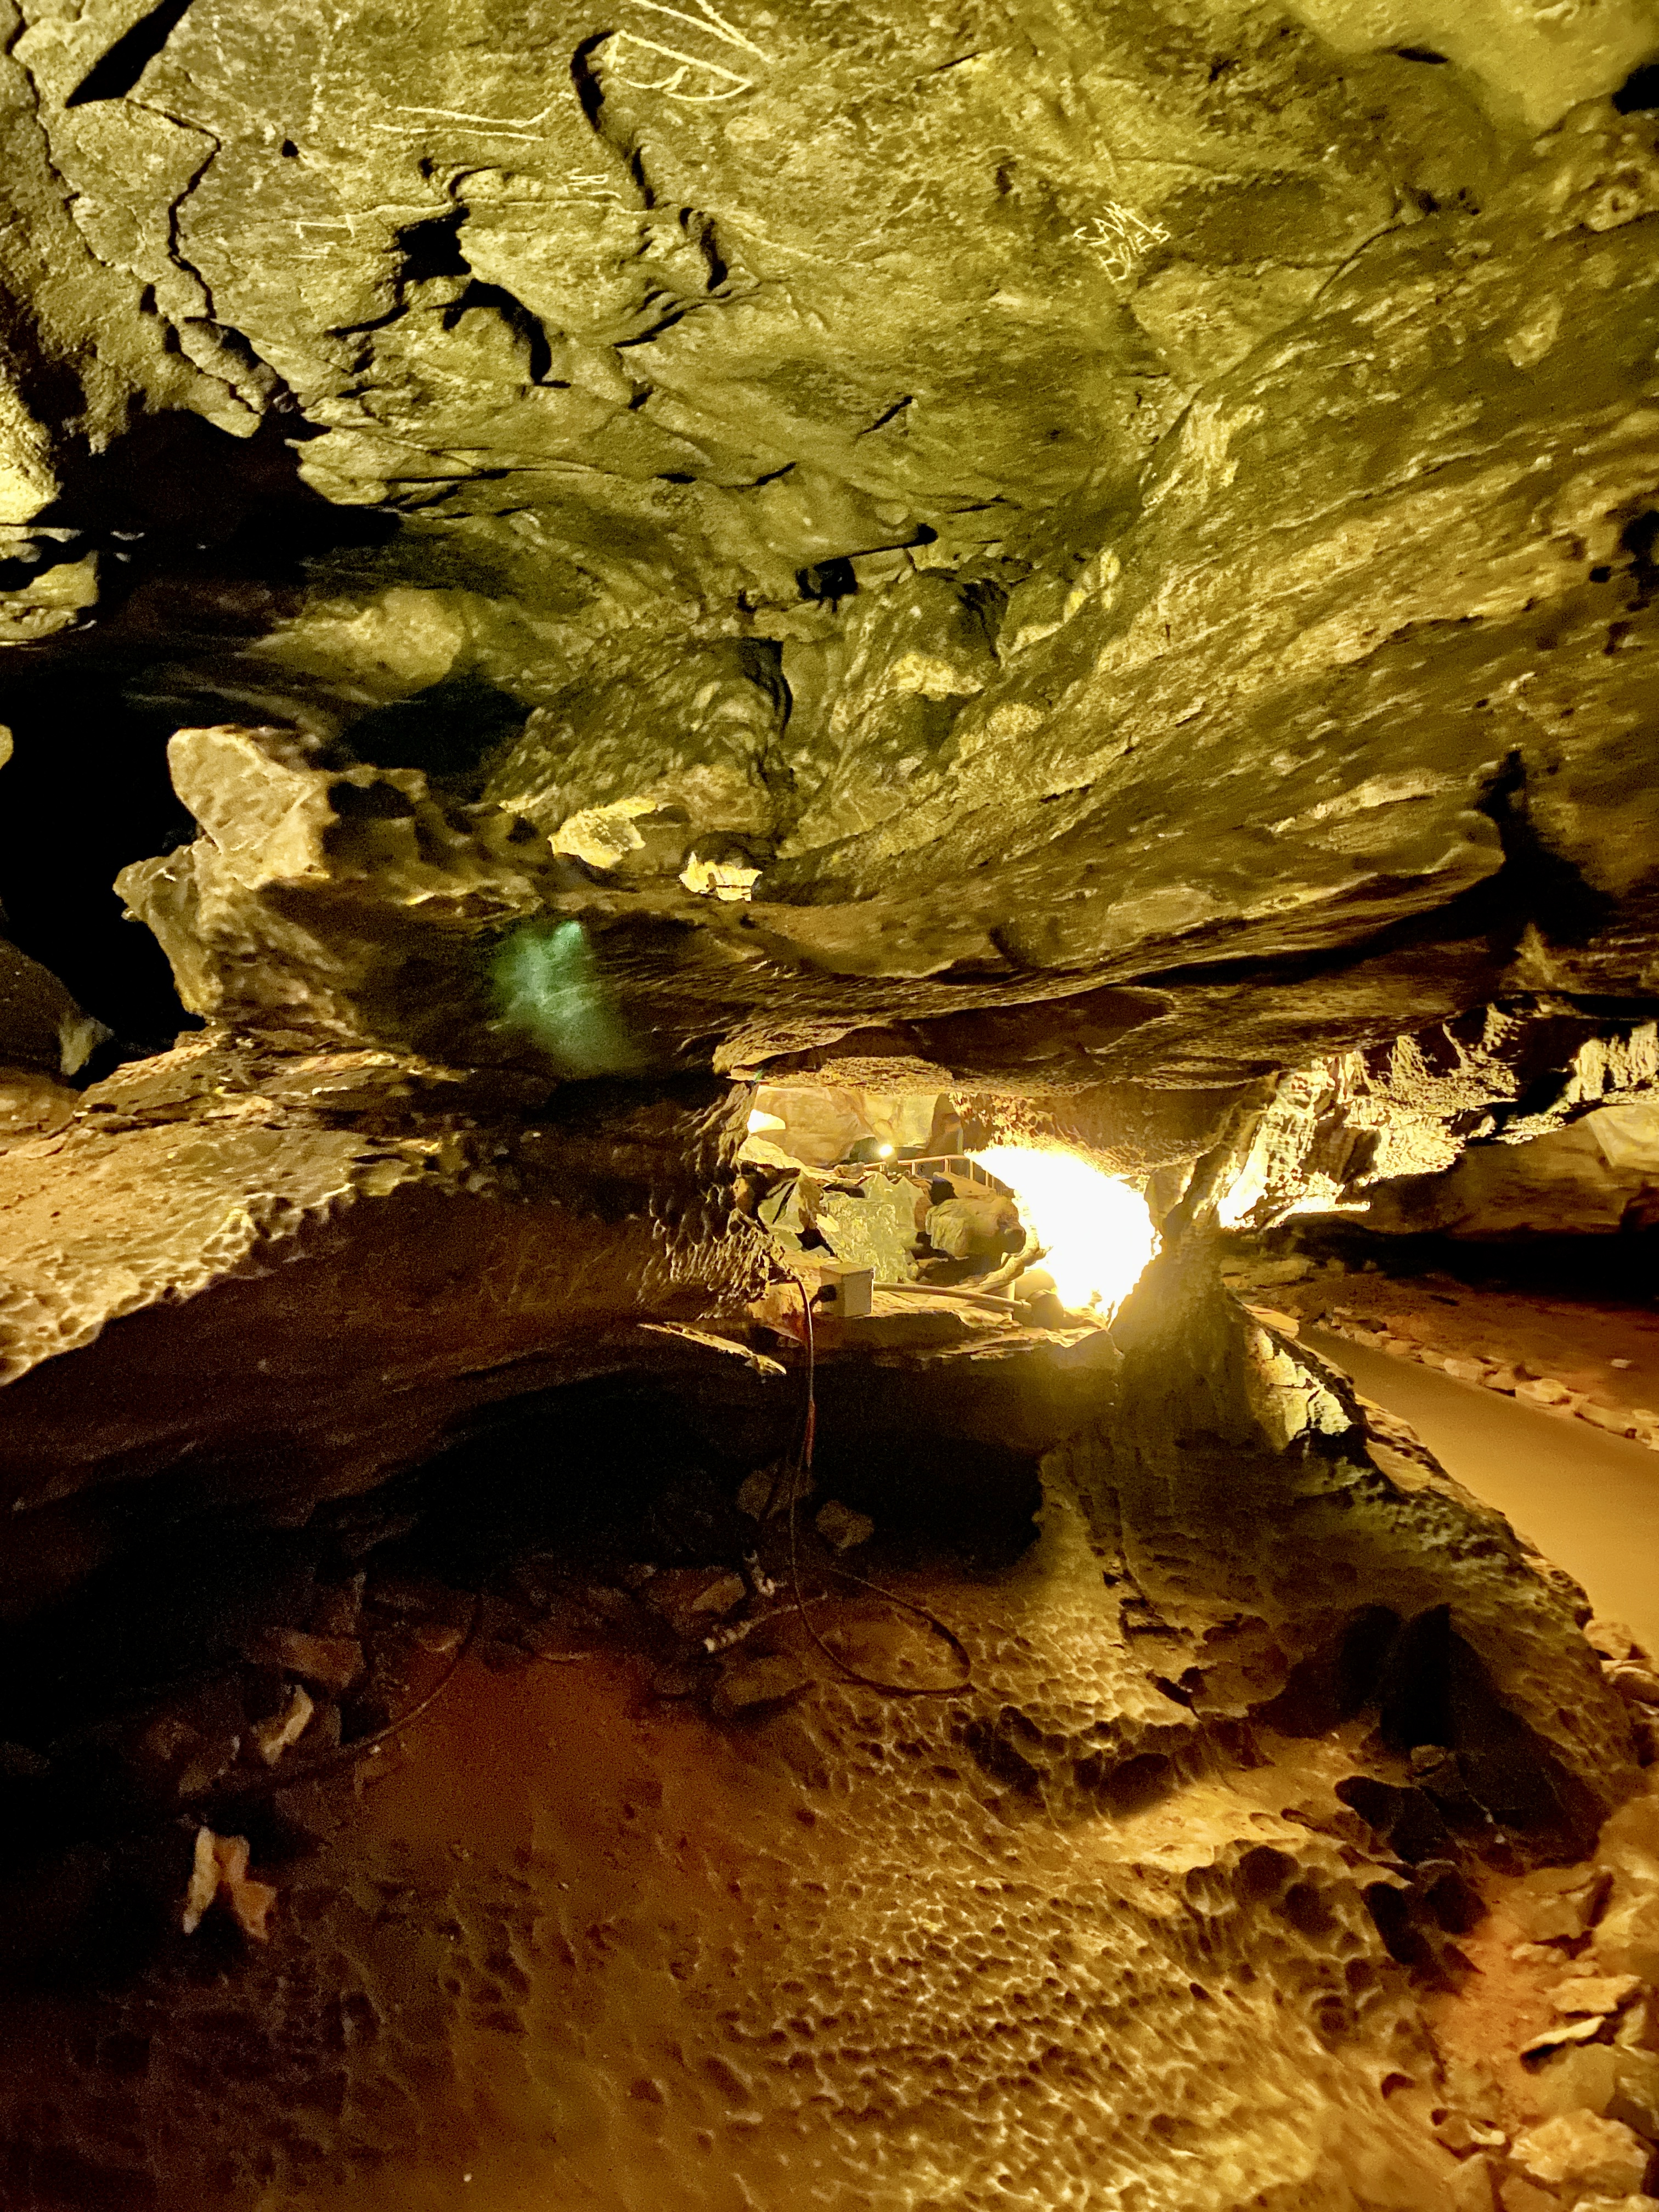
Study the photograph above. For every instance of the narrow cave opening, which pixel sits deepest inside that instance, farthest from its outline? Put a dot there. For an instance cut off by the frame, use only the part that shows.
(94, 768)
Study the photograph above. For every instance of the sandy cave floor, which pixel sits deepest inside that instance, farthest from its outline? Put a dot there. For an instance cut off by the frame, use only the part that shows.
(1587, 1499)
(1589, 1502)
(1577, 1340)
(571, 1940)
(587, 1947)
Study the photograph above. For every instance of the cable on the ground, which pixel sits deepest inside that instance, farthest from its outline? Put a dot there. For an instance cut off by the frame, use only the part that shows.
(797, 1475)
(348, 1754)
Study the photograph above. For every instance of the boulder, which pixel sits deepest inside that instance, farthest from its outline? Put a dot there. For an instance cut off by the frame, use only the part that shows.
(1581, 2151)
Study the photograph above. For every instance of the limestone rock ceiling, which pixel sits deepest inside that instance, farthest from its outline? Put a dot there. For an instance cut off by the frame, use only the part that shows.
(555, 559)
(1041, 500)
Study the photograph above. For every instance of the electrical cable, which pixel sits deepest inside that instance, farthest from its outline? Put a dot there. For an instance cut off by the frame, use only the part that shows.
(292, 1778)
(797, 1474)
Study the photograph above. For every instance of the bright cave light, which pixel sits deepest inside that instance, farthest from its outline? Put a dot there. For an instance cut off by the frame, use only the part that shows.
(761, 1123)
(1097, 1230)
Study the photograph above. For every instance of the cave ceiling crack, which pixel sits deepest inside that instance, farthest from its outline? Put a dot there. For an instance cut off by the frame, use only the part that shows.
(252, 391)
(702, 230)
(259, 385)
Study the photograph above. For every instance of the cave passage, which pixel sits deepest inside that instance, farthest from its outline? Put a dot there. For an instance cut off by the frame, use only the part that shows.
(830, 1107)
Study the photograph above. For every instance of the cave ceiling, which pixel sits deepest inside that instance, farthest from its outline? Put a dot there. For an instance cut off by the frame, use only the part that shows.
(555, 560)
(1148, 507)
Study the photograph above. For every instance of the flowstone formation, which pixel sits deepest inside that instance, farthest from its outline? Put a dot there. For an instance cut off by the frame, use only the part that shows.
(562, 571)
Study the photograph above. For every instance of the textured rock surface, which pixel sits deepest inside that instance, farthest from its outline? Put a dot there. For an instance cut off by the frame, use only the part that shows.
(1345, 1132)
(1593, 1179)
(1047, 500)
(1076, 557)
(1085, 1925)
(1374, 1527)
(213, 1262)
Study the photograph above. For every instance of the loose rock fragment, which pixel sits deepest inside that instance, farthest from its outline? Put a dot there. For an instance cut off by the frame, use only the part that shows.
(692, 1598)
(1544, 1390)
(1461, 2135)
(220, 1869)
(1584, 2152)
(1613, 1640)
(754, 1682)
(272, 1737)
(1465, 1370)
(1617, 1420)
(330, 1663)
(841, 1528)
(1562, 1907)
(1563, 2037)
(1587, 1995)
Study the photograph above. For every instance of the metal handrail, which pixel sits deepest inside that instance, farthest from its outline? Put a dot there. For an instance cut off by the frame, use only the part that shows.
(957, 1164)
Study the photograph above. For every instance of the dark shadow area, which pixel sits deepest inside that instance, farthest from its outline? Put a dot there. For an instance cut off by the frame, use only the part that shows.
(1434, 1694)
(1639, 93)
(1479, 1776)
(204, 541)
(181, 1601)
(972, 1502)
(136, 1697)
(1622, 1268)
(117, 72)
(86, 792)
(615, 1469)
(448, 731)
(175, 481)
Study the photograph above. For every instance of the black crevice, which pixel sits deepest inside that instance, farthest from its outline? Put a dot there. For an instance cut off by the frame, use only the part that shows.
(1542, 886)
(448, 731)
(590, 93)
(117, 73)
(828, 582)
(1639, 93)
(204, 541)
(432, 250)
(523, 323)
(888, 414)
(1640, 539)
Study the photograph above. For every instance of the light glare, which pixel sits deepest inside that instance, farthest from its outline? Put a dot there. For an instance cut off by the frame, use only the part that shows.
(1095, 1228)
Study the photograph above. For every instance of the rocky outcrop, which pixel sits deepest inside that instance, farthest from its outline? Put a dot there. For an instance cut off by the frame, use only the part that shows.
(276, 1280)
(1593, 1179)
(1376, 1131)
(1286, 1553)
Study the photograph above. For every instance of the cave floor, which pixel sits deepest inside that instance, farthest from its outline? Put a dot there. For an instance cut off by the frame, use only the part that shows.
(1589, 1502)
(569, 1943)
(1575, 1340)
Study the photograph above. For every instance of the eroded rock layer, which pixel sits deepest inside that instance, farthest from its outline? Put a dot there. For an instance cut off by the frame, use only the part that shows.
(1090, 564)
(855, 520)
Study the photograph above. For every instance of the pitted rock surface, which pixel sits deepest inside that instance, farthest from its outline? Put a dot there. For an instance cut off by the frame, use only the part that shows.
(1094, 564)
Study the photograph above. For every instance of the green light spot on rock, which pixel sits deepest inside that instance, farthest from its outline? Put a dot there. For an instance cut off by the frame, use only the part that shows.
(548, 983)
